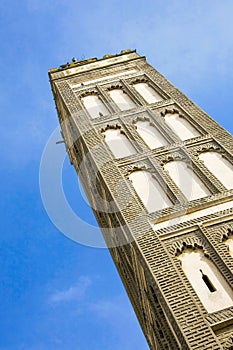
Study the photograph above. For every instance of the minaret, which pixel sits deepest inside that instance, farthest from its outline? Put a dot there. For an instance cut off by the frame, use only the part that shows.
(157, 171)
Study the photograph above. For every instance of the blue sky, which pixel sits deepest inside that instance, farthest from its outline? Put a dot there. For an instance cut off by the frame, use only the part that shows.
(55, 293)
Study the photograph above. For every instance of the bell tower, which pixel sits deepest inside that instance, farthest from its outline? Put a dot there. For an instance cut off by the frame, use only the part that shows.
(157, 171)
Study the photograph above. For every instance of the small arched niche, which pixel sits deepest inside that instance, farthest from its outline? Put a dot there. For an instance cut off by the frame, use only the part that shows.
(181, 126)
(219, 167)
(94, 106)
(151, 135)
(185, 178)
(118, 143)
(207, 281)
(149, 190)
(147, 92)
(121, 98)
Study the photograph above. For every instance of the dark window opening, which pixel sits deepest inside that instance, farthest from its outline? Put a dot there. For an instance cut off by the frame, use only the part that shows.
(208, 282)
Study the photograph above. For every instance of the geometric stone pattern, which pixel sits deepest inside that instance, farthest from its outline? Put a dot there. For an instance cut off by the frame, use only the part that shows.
(169, 311)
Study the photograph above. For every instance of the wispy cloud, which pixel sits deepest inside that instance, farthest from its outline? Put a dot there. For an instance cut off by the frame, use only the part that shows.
(111, 309)
(74, 292)
(115, 313)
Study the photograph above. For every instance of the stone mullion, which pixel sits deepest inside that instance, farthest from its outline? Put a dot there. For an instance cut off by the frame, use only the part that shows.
(169, 181)
(135, 138)
(136, 97)
(169, 133)
(160, 124)
(211, 182)
(112, 103)
(106, 98)
(211, 178)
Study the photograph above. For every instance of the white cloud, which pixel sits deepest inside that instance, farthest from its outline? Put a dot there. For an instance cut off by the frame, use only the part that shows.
(74, 292)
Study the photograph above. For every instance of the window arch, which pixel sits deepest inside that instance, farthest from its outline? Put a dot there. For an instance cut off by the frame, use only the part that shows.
(118, 143)
(149, 191)
(185, 178)
(219, 166)
(147, 92)
(181, 126)
(207, 281)
(121, 98)
(94, 106)
(151, 135)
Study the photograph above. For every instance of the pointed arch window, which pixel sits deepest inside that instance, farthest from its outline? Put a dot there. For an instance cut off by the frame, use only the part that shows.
(181, 126)
(219, 167)
(185, 178)
(207, 281)
(122, 99)
(118, 143)
(94, 106)
(149, 190)
(147, 92)
(151, 135)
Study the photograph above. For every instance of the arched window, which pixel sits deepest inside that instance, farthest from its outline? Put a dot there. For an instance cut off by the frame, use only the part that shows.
(152, 137)
(219, 166)
(122, 100)
(186, 179)
(94, 106)
(118, 143)
(147, 92)
(149, 191)
(181, 126)
(209, 284)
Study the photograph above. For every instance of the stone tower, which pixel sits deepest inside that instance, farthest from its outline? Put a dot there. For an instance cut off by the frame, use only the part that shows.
(157, 171)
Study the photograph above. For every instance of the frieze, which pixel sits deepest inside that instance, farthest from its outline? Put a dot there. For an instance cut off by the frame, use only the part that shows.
(207, 148)
(88, 93)
(171, 111)
(190, 242)
(138, 167)
(172, 157)
(115, 87)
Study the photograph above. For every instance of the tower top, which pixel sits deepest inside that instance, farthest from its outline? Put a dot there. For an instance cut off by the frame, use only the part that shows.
(124, 55)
